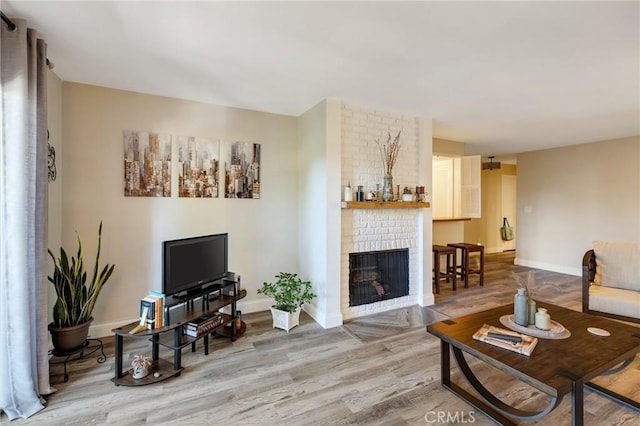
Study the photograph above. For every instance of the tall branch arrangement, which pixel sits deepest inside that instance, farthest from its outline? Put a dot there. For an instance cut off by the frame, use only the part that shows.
(389, 152)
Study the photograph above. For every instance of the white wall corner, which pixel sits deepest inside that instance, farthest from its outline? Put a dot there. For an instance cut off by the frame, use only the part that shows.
(319, 208)
(332, 316)
(324, 318)
(425, 153)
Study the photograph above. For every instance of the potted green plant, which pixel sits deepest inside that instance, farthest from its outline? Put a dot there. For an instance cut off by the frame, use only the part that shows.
(290, 294)
(75, 297)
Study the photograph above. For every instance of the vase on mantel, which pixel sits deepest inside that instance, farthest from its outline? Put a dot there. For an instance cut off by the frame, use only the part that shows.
(387, 188)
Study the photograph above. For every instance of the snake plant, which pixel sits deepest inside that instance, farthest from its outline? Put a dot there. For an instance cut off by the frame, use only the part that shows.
(76, 298)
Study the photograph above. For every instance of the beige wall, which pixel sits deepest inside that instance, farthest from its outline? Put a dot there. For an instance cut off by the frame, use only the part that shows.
(446, 147)
(568, 197)
(134, 227)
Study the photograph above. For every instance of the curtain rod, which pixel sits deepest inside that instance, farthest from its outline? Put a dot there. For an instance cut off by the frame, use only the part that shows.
(12, 27)
(8, 21)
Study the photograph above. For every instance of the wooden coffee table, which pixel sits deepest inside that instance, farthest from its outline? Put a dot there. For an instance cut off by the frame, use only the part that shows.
(556, 367)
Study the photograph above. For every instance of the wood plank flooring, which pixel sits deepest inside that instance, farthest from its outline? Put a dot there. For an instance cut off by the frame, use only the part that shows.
(378, 370)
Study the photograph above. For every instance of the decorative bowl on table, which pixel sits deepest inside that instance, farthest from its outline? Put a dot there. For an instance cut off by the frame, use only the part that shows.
(556, 330)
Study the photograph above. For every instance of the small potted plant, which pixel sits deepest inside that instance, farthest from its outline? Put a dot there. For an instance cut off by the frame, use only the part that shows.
(76, 298)
(406, 194)
(290, 294)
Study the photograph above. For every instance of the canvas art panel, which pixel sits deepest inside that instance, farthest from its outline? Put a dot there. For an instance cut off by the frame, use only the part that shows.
(198, 164)
(242, 170)
(147, 164)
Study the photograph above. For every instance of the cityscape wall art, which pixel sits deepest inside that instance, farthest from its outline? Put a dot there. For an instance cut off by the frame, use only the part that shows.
(242, 169)
(198, 171)
(147, 164)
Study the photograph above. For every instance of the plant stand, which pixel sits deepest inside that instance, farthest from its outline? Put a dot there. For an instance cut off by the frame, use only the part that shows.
(89, 348)
(285, 320)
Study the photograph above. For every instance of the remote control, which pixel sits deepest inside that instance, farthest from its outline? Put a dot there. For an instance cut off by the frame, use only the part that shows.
(507, 337)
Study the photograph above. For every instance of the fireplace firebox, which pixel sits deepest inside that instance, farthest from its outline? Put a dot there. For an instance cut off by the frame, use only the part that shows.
(378, 275)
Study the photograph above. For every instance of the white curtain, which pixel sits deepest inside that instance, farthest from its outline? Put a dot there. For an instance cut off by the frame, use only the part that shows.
(24, 361)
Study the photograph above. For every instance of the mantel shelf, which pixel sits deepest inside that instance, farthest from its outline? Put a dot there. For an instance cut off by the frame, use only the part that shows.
(385, 205)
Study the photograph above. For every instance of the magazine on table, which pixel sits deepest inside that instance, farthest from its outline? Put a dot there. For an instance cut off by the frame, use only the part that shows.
(506, 339)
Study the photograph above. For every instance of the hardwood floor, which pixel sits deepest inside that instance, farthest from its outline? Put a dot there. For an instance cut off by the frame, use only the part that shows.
(378, 370)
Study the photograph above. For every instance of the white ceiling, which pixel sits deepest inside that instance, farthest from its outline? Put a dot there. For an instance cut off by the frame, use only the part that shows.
(504, 77)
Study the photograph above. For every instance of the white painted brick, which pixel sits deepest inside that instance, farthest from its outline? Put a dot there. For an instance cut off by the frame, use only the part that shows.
(373, 230)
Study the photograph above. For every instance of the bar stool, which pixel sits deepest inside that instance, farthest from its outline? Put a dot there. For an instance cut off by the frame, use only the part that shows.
(464, 269)
(450, 272)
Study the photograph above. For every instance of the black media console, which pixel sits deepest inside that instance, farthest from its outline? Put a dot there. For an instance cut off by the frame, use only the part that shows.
(222, 293)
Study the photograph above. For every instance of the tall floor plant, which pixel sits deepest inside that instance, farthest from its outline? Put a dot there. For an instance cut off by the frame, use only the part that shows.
(76, 299)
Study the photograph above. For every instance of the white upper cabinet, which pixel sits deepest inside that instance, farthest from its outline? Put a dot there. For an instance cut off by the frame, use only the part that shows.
(470, 187)
(456, 187)
(442, 192)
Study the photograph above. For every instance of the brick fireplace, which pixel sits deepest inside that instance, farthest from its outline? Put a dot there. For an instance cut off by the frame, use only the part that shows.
(375, 230)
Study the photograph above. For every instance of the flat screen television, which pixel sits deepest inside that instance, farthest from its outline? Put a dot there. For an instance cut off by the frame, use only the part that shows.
(191, 263)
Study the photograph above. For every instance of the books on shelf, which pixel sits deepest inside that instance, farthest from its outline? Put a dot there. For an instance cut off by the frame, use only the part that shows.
(160, 311)
(153, 305)
(506, 339)
(148, 306)
(203, 325)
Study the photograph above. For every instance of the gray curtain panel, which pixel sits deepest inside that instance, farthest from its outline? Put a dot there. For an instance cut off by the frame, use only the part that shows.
(24, 360)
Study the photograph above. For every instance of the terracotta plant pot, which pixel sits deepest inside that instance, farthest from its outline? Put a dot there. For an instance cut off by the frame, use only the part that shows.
(69, 339)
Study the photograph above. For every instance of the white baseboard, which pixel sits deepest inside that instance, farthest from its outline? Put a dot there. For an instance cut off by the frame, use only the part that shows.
(326, 321)
(549, 267)
(247, 307)
(251, 306)
(428, 300)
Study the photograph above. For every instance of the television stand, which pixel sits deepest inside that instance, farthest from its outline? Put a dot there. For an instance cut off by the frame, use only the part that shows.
(173, 337)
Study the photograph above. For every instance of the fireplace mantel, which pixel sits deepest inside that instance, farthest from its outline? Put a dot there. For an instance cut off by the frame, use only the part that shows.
(385, 205)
